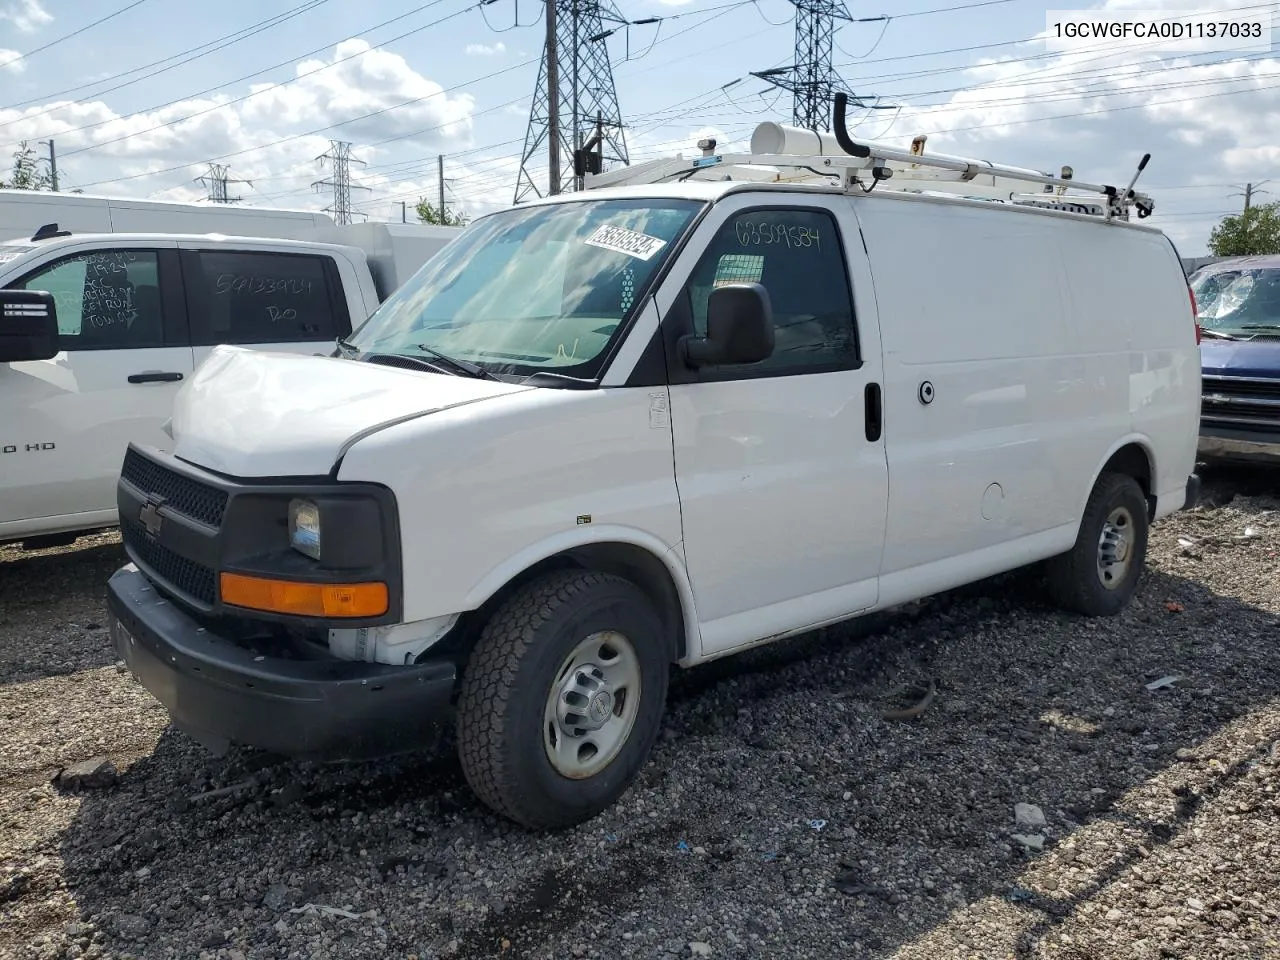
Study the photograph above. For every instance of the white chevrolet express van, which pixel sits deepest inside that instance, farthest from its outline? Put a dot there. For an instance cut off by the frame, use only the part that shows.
(611, 431)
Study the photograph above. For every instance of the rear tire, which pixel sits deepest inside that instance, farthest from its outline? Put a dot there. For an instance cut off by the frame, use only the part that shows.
(1098, 576)
(563, 698)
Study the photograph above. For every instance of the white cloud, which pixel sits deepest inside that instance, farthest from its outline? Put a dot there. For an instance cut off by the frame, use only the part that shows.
(11, 60)
(486, 50)
(27, 15)
(373, 97)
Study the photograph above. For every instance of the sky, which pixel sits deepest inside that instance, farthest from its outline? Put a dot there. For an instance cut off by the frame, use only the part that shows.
(140, 96)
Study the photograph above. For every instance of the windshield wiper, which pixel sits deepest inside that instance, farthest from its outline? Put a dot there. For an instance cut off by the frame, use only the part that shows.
(1216, 334)
(466, 366)
(558, 379)
(348, 347)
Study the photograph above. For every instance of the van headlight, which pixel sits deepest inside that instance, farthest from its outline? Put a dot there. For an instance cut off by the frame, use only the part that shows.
(304, 528)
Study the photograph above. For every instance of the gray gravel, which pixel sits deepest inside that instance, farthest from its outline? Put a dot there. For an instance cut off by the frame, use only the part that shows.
(781, 815)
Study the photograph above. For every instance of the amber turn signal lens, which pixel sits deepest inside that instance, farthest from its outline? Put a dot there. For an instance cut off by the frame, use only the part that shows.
(305, 599)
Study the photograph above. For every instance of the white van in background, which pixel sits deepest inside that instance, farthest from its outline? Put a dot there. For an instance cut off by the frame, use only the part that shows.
(23, 212)
(137, 314)
(648, 424)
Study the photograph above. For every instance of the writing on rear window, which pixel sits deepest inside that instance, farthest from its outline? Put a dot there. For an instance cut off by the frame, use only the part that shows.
(240, 283)
(260, 297)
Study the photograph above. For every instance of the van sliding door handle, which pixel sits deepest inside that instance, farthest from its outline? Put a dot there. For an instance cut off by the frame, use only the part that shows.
(872, 411)
(169, 377)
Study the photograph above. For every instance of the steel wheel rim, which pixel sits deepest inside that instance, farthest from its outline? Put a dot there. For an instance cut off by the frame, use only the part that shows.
(1116, 545)
(592, 705)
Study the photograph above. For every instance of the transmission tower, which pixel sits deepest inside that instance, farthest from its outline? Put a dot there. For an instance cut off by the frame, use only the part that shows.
(812, 79)
(575, 115)
(339, 158)
(217, 181)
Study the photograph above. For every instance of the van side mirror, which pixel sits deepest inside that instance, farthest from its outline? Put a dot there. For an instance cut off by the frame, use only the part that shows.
(28, 326)
(739, 327)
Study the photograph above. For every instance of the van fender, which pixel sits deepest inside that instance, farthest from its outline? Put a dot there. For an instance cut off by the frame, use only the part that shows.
(1140, 440)
(586, 535)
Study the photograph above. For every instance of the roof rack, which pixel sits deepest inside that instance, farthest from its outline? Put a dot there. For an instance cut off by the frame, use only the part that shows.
(782, 154)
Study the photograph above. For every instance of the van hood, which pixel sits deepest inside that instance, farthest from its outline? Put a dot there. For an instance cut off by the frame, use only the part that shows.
(253, 413)
(1240, 358)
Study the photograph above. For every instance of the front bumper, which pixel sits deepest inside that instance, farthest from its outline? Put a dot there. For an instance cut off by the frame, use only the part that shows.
(1239, 446)
(222, 693)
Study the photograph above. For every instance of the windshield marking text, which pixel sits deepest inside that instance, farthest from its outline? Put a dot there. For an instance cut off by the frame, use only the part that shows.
(621, 240)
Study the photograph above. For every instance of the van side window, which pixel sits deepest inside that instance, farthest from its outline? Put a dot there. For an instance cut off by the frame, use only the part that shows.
(106, 300)
(796, 255)
(246, 296)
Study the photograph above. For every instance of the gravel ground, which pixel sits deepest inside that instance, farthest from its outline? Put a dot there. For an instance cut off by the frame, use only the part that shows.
(781, 815)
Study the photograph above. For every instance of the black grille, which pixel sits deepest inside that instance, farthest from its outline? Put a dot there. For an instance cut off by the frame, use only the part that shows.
(193, 579)
(1242, 404)
(181, 494)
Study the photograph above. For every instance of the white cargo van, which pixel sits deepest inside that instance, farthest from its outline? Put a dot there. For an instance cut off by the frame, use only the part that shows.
(636, 426)
(137, 314)
(23, 212)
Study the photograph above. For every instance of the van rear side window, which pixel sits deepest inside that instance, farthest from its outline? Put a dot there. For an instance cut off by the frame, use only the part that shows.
(244, 296)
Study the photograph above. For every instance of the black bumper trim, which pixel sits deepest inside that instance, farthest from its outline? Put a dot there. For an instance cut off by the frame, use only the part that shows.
(315, 709)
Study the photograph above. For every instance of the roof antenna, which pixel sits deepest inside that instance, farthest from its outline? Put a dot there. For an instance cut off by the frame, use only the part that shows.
(49, 231)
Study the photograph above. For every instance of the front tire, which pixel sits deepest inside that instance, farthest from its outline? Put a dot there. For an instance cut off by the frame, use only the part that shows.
(563, 698)
(1098, 576)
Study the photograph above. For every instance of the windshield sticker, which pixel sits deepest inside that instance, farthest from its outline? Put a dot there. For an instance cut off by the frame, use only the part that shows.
(738, 268)
(621, 240)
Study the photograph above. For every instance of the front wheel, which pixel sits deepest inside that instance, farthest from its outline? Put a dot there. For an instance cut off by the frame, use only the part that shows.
(1099, 575)
(562, 698)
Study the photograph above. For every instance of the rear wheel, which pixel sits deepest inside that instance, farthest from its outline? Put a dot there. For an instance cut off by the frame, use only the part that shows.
(562, 698)
(1099, 575)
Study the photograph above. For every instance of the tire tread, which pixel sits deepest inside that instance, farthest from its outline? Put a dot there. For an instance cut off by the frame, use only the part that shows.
(1071, 575)
(487, 687)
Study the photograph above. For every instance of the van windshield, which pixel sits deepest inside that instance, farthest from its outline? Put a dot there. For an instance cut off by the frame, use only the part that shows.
(1242, 303)
(527, 290)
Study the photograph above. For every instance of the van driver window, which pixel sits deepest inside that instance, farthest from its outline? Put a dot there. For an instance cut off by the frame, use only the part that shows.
(106, 300)
(797, 257)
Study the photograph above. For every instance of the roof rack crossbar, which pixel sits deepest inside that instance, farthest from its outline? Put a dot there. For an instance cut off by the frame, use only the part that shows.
(847, 161)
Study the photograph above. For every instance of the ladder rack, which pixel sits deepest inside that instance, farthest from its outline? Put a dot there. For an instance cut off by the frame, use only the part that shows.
(782, 154)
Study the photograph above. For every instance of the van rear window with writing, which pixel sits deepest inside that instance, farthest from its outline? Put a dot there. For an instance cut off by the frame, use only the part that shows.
(250, 297)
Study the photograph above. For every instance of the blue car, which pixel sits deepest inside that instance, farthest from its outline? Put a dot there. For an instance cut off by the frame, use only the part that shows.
(1238, 309)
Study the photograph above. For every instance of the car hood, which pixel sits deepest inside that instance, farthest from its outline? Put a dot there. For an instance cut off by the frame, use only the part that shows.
(1240, 358)
(251, 413)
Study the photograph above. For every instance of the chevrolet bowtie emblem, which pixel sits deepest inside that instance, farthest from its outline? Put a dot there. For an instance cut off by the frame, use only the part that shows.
(149, 517)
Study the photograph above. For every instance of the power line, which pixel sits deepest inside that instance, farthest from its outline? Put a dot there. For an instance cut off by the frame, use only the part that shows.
(318, 130)
(183, 57)
(1015, 43)
(73, 33)
(258, 73)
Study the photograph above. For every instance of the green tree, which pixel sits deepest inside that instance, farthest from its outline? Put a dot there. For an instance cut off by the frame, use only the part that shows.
(428, 213)
(1256, 231)
(28, 170)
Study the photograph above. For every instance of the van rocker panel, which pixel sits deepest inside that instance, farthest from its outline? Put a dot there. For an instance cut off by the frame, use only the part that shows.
(220, 692)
